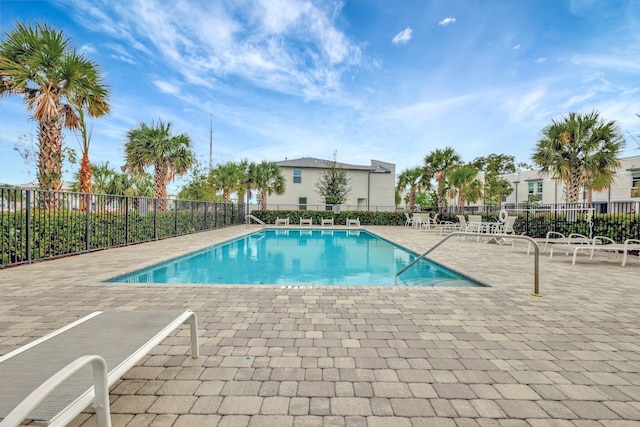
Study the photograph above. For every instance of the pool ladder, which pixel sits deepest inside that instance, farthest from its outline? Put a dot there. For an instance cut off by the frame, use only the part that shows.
(536, 253)
(250, 217)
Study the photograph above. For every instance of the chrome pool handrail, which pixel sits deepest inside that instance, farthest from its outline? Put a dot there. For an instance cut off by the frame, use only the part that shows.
(536, 254)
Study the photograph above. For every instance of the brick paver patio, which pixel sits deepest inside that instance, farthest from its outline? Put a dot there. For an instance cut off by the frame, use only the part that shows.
(347, 356)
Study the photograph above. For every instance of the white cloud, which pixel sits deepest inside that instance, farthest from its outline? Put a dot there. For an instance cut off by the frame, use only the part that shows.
(403, 36)
(516, 47)
(540, 60)
(447, 21)
(293, 46)
(167, 87)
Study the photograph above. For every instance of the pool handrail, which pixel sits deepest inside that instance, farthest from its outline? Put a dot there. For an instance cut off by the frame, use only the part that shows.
(536, 254)
(250, 217)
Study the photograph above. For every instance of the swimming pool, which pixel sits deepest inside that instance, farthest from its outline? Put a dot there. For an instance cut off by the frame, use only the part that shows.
(300, 258)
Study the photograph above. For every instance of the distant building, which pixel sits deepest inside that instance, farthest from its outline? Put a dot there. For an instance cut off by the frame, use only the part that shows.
(625, 188)
(372, 186)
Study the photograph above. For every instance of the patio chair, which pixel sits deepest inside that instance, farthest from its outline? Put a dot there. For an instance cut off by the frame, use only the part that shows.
(49, 379)
(327, 221)
(282, 221)
(575, 240)
(475, 223)
(306, 221)
(557, 238)
(408, 220)
(430, 222)
(605, 244)
(353, 222)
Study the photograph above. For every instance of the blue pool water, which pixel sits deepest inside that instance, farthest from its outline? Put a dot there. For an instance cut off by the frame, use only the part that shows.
(300, 257)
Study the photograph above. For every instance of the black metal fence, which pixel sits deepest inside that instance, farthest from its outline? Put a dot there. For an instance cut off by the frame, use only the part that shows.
(616, 220)
(37, 225)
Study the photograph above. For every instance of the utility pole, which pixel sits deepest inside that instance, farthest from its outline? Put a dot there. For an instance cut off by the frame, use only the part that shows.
(211, 142)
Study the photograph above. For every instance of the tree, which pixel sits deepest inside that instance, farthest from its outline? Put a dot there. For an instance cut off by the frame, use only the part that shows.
(578, 148)
(436, 165)
(158, 146)
(495, 186)
(413, 180)
(197, 186)
(268, 179)
(333, 184)
(499, 164)
(227, 178)
(39, 63)
(464, 185)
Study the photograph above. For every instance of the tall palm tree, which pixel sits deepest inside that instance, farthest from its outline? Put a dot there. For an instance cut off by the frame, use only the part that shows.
(228, 178)
(465, 186)
(414, 180)
(579, 149)
(156, 145)
(436, 165)
(268, 179)
(39, 63)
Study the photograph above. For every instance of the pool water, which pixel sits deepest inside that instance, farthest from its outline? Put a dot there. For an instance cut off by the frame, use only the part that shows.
(301, 257)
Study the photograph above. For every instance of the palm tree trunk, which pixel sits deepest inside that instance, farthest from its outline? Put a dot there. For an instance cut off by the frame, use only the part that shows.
(573, 187)
(50, 158)
(85, 180)
(50, 155)
(263, 198)
(161, 172)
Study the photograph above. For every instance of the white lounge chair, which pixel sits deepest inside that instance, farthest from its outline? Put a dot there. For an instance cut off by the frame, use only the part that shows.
(575, 240)
(408, 220)
(306, 221)
(49, 379)
(282, 221)
(430, 222)
(605, 244)
(353, 222)
(327, 221)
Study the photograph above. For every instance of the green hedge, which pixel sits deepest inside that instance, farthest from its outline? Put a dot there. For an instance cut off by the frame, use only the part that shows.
(366, 217)
(53, 233)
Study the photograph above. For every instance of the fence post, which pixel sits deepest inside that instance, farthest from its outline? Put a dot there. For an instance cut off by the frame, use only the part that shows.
(28, 226)
(155, 219)
(175, 229)
(527, 228)
(193, 222)
(87, 225)
(126, 221)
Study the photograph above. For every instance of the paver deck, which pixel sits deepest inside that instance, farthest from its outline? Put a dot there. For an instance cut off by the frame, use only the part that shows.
(362, 356)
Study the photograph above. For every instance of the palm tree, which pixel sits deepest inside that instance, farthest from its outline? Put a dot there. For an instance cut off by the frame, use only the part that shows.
(268, 179)
(43, 66)
(228, 178)
(464, 185)
(436, 165)
(579, 149)
(157, 146)
(413, 178)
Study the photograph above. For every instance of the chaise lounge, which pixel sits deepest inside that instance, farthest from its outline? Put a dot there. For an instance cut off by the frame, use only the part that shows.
(49, 379)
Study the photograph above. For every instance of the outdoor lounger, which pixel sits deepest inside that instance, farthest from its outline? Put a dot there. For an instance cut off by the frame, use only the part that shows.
(49, 380)
(604, 244)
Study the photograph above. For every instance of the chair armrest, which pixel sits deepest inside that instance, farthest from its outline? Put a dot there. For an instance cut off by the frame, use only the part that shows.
(101, 393)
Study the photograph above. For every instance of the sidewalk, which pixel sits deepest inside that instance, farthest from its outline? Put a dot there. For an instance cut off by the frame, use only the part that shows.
(347, 356)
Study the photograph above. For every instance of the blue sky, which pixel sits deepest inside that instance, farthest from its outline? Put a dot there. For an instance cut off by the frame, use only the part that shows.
(367, 79)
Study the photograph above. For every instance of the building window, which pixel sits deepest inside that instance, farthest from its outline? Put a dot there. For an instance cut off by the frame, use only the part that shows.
(297, 176)
(635, 184)
(343, 176)
(535, 190)
(302, 203)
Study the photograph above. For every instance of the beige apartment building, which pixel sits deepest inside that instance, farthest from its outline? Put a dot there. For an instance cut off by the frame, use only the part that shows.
(625, 188)
(372, 186)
